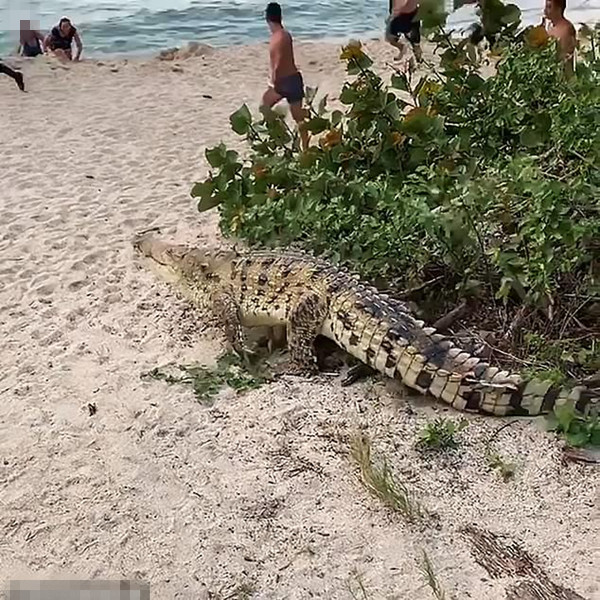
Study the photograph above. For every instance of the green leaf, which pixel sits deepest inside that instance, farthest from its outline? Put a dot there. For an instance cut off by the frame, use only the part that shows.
(400, 82)
(241, 120)
(317, 125)
(336, 117)
(577, 439)
(216, 156)
(512, 14)
(322, 105)
(530, 138)
(203, 189)
(310, 94)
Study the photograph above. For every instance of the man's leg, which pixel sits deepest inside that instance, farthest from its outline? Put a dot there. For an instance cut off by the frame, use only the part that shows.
(298, 116)
(16, 75)
(270, 98)
(392, 36)
(414, 37)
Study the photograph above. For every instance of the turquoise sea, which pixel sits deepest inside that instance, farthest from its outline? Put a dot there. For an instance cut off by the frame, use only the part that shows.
(117, 27)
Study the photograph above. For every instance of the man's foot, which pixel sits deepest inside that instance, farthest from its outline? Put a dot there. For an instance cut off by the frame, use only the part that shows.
(19, 80)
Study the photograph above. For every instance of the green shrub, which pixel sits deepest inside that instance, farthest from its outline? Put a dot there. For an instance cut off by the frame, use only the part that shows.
(492, 182)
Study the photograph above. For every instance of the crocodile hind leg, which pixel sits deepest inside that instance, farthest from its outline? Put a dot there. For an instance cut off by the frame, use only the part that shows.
(304, 324)
(357, 372)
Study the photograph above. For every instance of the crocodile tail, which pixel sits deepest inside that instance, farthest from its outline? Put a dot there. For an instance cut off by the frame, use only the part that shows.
(468, 383)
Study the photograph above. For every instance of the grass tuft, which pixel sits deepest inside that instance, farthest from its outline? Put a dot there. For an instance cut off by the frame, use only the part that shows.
(441, 434)
(380, 481)
(431, 578)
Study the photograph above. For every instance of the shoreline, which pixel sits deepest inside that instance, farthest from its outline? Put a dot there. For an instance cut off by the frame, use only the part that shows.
(457, 26)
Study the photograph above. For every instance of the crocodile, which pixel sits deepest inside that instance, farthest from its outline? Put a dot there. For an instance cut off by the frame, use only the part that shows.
(310, 296)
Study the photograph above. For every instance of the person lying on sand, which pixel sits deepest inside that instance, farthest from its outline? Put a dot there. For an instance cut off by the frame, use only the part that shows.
(60, 41)
(16, 75)
(403, 21)
(30, 40)
(562, 29)
(286, 81)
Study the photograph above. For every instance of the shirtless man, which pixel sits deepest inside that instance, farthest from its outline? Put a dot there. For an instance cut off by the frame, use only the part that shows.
(286, 81)
(562, 29)
(403, 20)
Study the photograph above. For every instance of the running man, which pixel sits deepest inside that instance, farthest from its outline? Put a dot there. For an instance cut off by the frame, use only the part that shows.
(286, 81)
(562, 29)
(403, 21)
(16, 75)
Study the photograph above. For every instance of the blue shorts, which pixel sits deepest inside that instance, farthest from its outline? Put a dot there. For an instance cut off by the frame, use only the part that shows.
(291, 88)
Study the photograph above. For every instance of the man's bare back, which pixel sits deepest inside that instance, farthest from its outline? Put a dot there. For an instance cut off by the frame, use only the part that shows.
(281, 51)
(403, 7)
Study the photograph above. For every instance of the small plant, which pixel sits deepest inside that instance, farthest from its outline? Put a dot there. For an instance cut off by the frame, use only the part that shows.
(381, 483)
(441, 434)
(431, 578)
(206, 383)
(497, 461)
(576, 428)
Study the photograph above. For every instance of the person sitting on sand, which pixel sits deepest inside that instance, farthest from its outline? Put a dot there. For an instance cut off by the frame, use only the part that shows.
(562, 29)
(16, 75)
(286, 80)
(60, 41)
(30, 40)
(403, 21)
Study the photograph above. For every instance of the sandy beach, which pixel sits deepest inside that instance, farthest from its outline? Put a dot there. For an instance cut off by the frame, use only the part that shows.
(256, 496)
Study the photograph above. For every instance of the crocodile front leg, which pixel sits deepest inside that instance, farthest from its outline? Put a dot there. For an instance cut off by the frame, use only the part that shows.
(305, 321)
(227, 311)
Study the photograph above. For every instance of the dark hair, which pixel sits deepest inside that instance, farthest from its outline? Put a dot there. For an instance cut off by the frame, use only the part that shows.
(562, 4)
(273, 12)
(64, 20)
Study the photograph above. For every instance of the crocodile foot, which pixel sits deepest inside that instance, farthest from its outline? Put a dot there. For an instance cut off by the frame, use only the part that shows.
(356, 372)
(295, 369)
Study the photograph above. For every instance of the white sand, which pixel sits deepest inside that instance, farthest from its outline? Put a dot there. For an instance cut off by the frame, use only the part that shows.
(258, 492)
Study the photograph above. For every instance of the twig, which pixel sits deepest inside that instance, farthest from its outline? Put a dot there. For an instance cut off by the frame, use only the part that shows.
(444, 322)
(516, 323)
(419, 288)
(571, 316)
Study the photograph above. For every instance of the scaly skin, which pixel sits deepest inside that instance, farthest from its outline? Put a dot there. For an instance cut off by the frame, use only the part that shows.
(309, 296)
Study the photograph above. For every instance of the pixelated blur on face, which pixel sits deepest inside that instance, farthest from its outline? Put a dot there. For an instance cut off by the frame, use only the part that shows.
(25, 25)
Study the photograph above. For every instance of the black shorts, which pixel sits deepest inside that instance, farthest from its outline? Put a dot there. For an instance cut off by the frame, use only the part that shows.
(291, 88)
(407, 25)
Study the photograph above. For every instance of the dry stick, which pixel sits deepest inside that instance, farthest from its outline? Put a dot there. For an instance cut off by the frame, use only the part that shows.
(507, 354)
(516, 323)
(444, 322)
(570, 317)
(419, 288)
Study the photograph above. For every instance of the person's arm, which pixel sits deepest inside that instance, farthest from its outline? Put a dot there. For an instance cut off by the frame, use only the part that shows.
(41, 40)
(276, 52)
(79, 45)
(47, 43)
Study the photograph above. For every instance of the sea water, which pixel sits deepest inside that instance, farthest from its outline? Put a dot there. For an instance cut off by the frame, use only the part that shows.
(117, 27)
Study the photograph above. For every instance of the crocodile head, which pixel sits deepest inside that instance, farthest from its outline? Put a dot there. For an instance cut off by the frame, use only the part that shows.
(197, 269)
